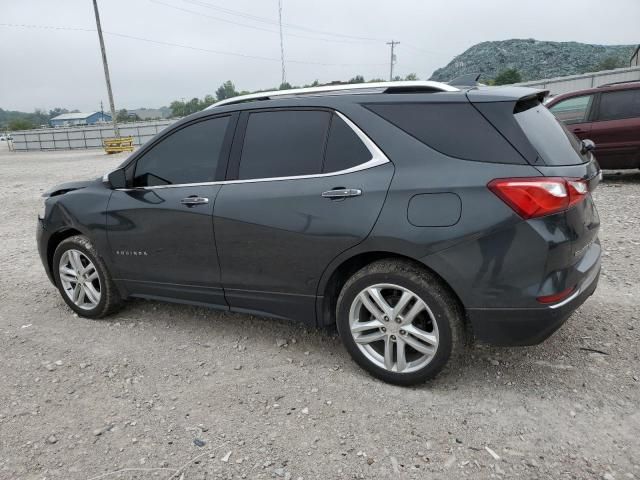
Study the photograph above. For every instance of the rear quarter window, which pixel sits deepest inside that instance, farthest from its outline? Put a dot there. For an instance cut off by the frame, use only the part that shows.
(454, 129)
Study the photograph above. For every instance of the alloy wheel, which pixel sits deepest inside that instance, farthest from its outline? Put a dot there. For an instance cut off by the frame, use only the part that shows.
(394, 328)
(79, 278)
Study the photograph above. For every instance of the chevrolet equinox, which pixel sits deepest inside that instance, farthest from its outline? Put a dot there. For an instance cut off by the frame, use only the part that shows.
(412, 215)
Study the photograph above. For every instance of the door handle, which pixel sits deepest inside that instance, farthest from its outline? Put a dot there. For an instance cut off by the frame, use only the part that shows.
(342, 193)
(194, 200)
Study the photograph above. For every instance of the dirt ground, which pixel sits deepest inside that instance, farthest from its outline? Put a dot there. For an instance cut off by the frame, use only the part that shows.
(175, 392)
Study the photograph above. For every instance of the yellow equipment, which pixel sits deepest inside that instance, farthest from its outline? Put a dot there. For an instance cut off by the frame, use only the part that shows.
(120, 144)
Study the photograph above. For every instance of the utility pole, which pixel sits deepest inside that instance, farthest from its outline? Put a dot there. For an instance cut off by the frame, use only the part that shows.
(393, 58)
(284, 75)
(106, 71)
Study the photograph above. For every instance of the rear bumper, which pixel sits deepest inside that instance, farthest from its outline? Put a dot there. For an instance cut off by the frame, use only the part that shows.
(529, 326)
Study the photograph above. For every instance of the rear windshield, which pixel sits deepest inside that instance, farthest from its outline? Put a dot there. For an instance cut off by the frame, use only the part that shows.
(554, 143)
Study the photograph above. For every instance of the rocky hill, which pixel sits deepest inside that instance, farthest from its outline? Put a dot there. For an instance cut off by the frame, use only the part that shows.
(535, 59)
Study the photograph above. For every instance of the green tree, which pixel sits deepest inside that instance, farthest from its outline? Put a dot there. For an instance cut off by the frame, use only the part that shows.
(507, 77)
(177, 108)
(40, 117)
(57, 111)
(411, 76)
(609, 63)
(226, 90)
(357, 79)
(207, 100)
(192, 106)
(20, 124)
(122, 116)
(285, 86)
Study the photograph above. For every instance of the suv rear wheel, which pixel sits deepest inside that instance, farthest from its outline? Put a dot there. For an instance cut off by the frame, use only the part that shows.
(398, 322)
(83, 279)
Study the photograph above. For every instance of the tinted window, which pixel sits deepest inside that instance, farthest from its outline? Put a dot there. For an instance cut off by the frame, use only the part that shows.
(455, 129)
(189, 155)
(283, 144)
(554, 143)
(344, 148)
(620, 104)
(572, 110)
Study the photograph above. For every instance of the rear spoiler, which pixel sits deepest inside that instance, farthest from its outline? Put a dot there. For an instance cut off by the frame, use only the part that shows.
(505, 94)
(468, 80)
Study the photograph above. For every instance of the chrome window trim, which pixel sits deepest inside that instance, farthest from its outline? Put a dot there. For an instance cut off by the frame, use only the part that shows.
(377, 158)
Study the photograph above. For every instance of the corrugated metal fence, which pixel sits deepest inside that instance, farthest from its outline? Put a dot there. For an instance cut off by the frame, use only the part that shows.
(571, 83)
(89, 136)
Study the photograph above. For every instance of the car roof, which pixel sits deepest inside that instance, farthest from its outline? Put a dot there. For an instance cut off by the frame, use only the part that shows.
(336, 96)
(608, 87)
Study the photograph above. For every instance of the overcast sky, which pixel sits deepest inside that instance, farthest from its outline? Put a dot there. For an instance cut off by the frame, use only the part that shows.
(325, 40)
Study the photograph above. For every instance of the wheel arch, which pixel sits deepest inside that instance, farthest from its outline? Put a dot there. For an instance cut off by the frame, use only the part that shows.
(55, 239)
(330, 289)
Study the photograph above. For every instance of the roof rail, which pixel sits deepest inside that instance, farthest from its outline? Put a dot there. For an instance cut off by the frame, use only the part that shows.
(362, 88)
(618, 83)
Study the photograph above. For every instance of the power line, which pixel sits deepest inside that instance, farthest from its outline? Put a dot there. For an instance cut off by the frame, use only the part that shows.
(275, 22)
(188, 47)
(244, 25)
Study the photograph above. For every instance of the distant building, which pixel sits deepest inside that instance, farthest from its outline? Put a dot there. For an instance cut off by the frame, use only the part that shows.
(79, 118)
(150, 113)
(635, 58)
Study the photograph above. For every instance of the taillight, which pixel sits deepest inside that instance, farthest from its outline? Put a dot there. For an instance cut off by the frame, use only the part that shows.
(556, 297)
(539, 196)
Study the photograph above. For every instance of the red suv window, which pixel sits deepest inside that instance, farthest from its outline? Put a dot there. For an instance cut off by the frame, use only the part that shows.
(619, 104)
(573, 110)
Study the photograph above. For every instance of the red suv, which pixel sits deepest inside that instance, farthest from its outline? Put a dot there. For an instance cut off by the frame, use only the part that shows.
(610, 116)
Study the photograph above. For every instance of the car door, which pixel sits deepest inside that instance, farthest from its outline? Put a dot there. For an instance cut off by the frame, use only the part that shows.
(304, 185)
(616, 129)
(574, 112)
(160, 230)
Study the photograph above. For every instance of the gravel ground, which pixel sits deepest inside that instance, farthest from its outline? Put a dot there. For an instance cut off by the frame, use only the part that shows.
(176, 392)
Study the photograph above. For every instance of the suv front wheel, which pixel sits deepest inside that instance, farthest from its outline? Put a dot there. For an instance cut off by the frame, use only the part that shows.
(83, 279)
(398, 322)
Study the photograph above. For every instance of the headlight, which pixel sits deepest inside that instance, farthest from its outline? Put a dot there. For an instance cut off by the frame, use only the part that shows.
(43, 208)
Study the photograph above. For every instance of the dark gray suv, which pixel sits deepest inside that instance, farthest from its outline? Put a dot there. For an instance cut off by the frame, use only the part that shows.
(410, 214)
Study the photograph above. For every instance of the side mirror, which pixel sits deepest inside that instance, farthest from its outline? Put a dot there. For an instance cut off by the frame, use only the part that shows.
(587, 146)
(115, 179)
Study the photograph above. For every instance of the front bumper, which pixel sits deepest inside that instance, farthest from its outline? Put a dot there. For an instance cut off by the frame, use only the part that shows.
(42, 239)
(529, 326)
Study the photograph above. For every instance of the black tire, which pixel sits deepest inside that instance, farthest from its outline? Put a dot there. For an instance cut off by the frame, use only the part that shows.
(110, 300)
(444, 306)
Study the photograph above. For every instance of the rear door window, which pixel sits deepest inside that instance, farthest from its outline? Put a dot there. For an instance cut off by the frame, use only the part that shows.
(573, 110)
(619, 104)
(283, 143)
(344, 148)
